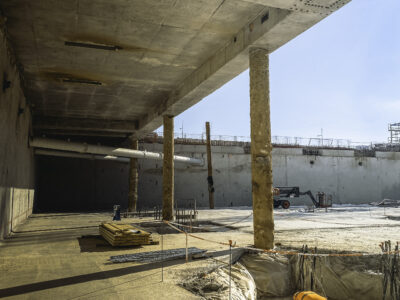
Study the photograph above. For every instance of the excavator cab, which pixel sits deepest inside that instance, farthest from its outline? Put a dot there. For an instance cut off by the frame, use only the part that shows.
(281, 195)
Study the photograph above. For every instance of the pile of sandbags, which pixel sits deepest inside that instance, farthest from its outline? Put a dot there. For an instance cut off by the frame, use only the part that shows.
(124, 235)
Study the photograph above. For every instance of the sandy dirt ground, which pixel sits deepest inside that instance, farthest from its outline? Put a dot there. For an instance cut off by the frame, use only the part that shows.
(342, 228)
(59, 256)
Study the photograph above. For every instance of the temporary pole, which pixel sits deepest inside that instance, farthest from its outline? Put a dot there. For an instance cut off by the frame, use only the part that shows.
(187, 252)
(209, 165)
(168, 170)
(133, 180)
(162, 258)
(230, 269)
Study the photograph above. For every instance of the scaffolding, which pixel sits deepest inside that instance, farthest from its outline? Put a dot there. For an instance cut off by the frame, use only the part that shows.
(394, 130)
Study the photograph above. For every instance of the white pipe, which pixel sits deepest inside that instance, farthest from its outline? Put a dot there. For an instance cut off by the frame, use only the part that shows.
(79, 155)
(105, 150)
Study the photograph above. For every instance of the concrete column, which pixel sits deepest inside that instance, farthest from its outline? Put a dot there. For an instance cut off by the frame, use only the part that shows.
(261, 159)
(168, 169)
(133, 179)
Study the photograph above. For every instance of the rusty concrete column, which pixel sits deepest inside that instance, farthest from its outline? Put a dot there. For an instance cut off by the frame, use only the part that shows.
(133, 179)
(209, 166)
(261, 159)
(168, 169)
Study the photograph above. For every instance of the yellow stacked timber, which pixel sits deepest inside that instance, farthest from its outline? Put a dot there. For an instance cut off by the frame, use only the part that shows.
(124, 235)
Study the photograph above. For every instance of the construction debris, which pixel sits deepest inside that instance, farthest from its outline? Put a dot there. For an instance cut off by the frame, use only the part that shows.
(387, 203)
(156, 256)
(124, 235)
(215, 284)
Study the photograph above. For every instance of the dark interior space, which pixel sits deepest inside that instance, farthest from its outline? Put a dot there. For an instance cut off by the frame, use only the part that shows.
(76, 185)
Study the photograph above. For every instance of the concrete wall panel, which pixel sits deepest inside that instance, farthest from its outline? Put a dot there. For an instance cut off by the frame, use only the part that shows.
(16, 159)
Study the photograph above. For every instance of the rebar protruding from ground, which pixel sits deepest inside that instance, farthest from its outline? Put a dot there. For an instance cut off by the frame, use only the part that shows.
(390, 270)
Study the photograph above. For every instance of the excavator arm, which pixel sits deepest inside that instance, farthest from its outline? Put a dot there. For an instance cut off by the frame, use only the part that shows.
(309, 194)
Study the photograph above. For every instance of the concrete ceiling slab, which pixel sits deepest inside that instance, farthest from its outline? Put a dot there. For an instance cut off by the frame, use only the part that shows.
(127, 63)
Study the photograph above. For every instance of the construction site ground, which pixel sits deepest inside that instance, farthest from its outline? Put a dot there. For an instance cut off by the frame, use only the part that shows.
(61, 256)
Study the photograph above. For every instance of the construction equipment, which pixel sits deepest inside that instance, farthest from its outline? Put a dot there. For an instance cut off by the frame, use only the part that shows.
(281, 195)
(387, 203)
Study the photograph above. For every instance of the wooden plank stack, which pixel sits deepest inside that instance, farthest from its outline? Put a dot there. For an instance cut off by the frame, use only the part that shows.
(124, 235)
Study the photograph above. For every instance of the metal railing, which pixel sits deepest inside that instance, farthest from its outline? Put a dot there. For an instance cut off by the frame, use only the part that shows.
(185, 138)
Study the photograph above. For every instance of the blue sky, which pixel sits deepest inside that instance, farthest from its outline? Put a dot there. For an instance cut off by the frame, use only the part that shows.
(342, 75)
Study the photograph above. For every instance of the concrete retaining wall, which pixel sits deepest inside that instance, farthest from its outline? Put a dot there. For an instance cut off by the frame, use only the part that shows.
(16, 159)
(89, 185)
(348, 178)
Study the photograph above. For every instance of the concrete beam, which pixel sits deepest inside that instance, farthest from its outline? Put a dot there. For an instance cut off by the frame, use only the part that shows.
(168, 169)
(261, 148)
(213, 73)
(271, 29)
(177, 53)
(77, 132)
(56, 123)
(286, 4)
(324, 7)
